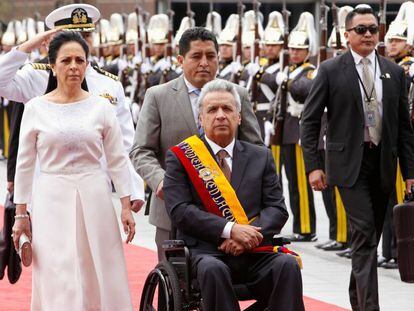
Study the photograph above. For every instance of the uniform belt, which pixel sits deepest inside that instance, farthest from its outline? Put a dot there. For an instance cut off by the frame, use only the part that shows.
(263, 107)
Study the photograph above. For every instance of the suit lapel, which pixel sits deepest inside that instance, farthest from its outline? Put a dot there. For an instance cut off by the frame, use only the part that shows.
(352, 78)
(386, 87)
(183, 103)
(239, 165)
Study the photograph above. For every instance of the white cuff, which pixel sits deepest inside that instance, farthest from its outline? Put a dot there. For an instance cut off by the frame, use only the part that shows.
(226, 234)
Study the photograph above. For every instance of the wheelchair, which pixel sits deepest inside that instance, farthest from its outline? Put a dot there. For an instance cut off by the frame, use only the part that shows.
(177, 289)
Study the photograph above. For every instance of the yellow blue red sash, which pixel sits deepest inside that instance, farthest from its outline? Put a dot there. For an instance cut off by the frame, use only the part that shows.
(215, 191)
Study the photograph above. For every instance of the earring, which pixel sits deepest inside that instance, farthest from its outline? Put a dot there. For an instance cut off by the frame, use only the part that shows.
(53, 73)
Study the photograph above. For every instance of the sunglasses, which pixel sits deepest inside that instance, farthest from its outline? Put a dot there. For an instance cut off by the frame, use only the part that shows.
(362, 29)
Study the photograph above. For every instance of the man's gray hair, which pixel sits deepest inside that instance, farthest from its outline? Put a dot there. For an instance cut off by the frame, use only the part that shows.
(219, 85)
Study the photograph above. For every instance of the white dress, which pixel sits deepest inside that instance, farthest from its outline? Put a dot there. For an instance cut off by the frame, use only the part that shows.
(78, 260)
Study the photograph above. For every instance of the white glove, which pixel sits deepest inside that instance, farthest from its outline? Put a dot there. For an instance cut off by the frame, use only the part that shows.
(252, 68)
(281, 77)
(236, 67)
(145, 68)
(411, 71)
(268, 131)
(137, 59)
(162, 64)
(122, 64)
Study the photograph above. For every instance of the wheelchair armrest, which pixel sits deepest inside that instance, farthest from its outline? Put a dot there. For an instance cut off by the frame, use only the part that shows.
(173, 244)
(279, 240)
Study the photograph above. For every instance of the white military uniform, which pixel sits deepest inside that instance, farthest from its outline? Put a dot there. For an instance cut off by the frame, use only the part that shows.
(28, 82)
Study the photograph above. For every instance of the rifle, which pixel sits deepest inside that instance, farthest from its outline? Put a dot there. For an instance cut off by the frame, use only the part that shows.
(335, 24)
(324, 31)
(235, 77)
(382, 26)
(124, 75)
(256, 51)
(279, 112)
(168, 50)
(212, 17)
(137, 77)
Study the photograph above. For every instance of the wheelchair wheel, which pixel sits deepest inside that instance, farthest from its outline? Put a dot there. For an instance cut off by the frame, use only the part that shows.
(163, 280)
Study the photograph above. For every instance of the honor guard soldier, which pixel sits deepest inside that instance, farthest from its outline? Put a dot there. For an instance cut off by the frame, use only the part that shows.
(266, 76)
(104, 47)
(398, 40)
(227, 41)
(297, 79)
(32, 80)
(248, 39)
(115, 35)
(157, 36)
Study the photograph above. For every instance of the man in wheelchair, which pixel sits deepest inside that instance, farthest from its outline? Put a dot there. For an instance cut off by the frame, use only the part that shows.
(225, 200)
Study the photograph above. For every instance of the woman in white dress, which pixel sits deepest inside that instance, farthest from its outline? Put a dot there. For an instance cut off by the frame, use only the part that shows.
(78, 260)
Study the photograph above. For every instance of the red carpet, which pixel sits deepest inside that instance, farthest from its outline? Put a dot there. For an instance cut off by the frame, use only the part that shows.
(140, 261)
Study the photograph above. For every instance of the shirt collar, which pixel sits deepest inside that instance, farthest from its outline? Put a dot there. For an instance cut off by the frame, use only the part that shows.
(190, 87)
(216, 148)
(357, 57)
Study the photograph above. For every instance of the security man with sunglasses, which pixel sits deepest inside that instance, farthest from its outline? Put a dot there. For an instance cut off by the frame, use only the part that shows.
(368, 127)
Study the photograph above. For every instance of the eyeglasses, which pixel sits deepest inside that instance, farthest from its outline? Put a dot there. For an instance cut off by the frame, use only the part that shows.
(362, 29)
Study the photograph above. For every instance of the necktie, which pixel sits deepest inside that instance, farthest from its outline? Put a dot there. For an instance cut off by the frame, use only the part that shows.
(222, 155)
(372, 109)
(199, 127)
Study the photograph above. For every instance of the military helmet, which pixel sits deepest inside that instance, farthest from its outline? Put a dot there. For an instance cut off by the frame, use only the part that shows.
(273, 33)
(229, 33)
(303, 36)
(9, 36)
(116, 30)
(158, 29)
(249, 21)
(342, 13)
(213, 23)
(186, 23)
(403, 25)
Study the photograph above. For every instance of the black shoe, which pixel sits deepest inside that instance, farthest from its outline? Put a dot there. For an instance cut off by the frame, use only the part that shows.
(334, 246)
(382, 261)
(321, 245)
(296, 237)
(346, 253)
(390, 264)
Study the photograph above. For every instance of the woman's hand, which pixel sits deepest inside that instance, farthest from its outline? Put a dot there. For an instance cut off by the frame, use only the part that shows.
(128, 223)
(21, 225)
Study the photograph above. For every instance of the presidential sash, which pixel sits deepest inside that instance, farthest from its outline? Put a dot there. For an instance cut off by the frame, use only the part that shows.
(215, 191)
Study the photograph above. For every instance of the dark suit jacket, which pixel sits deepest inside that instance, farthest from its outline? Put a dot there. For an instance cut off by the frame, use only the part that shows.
(257, 188)
(336, 87)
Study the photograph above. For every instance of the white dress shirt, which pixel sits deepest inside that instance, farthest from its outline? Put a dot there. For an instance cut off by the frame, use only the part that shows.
(193, 99)
(378, 82)
(226, 234)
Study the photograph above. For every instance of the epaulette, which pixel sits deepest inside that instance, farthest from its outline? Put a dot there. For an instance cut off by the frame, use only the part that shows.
(40, 66)
(106, 73)
(263, 61)
(408, 60)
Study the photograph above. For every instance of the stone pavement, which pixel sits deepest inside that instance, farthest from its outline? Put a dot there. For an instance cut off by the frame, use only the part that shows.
(325, 275)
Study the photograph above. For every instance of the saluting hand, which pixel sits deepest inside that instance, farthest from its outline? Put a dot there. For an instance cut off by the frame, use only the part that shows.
(37, 41)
